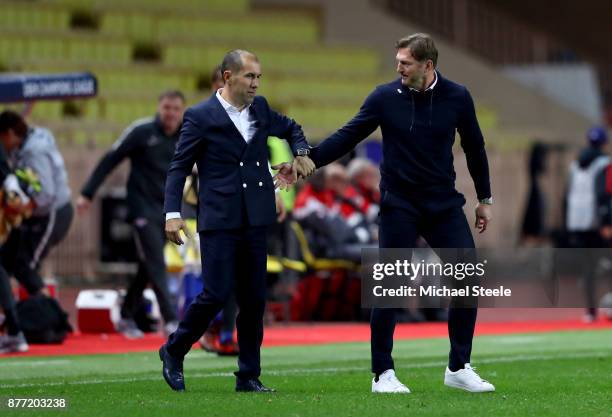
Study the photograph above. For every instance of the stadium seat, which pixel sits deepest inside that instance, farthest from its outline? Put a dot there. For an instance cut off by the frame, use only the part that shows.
(161, 5)
(315, 263)
(22, 15)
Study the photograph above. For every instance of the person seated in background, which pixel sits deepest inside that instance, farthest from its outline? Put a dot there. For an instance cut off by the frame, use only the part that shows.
(348, 202)
(328, 209)
(365, 178)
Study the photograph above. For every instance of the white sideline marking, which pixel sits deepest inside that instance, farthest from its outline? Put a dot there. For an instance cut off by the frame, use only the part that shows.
(35, 363)
(288, 372)
(517, 340)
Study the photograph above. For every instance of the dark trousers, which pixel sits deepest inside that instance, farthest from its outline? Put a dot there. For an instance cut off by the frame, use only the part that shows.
(7, 303)
(401, 222)
(592, 240)
(228, 316)
(232, 260)
(29, 244)
(150, 240)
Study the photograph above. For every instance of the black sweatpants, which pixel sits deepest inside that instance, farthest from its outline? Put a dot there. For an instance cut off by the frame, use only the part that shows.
(29, 244)
(150, 240)
(7, 303)
(401, 222)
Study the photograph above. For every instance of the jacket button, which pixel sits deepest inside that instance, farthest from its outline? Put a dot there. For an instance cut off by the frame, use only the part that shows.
(257, 163)
(260, 184)
(241, 164)
(244, 185)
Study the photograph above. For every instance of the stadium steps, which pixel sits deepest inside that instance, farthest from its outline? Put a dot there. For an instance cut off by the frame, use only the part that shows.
(193, 6)
(299, 72)
(290, 60)
(263, 28)
(171, 25)
(271, 73)
(32, 15)
(17, 48)
(26, 46)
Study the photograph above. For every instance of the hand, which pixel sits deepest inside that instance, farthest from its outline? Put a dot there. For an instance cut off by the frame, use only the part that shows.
(606, 232)
(483, 216)
(281, 212)
(304, 166)
(285, 177)
(173, 230)
(83, 204)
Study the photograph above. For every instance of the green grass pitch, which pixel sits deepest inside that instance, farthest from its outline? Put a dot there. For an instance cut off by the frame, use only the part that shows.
(551, 374)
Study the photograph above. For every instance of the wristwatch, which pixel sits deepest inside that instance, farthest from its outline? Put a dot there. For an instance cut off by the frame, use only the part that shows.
(302, 152)
(487, 201)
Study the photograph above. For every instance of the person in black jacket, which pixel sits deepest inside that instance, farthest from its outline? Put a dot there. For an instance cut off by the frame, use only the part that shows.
(149, 145)
(418, 114)
(587, 209)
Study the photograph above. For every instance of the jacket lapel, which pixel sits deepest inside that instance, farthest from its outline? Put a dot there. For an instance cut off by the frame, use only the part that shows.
(259, 123)
(223, 120)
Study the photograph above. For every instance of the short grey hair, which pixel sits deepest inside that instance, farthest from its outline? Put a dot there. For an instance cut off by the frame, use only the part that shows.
(357, 166)
(171, 94)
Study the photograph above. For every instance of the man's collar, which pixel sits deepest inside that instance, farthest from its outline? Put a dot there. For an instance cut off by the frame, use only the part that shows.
(226, 105)
(435, 81)
(433, 84)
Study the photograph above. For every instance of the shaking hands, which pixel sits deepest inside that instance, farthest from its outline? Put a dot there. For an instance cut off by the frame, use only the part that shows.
(304, 166)
(289, 173)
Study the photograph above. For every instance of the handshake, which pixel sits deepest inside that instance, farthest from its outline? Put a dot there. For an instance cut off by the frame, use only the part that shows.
(289, 173)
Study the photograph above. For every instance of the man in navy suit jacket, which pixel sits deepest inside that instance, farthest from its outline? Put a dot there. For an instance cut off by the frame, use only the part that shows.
(226, 136)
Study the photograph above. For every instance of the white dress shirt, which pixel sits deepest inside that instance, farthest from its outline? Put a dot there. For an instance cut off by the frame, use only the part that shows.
(243, 119)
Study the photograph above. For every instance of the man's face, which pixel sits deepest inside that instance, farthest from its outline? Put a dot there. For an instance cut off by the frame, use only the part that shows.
(412, 71)
(243, 85)
(170, 110)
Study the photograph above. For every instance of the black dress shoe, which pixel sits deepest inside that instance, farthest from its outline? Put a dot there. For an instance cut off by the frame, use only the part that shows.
(251, 385)
(172, 370)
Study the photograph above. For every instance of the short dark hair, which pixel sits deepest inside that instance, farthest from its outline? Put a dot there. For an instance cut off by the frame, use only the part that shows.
(10, 119)
(233, 60)
(421, 46)
(171, 94)
(216, 75)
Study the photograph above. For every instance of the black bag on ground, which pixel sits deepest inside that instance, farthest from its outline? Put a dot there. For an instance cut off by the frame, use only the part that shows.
(42, 320)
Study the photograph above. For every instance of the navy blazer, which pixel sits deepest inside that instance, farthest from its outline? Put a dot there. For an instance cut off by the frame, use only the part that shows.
(236, 188)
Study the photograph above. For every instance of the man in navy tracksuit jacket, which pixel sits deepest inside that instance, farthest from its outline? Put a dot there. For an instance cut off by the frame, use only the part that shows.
(226, 136)
(418, 115)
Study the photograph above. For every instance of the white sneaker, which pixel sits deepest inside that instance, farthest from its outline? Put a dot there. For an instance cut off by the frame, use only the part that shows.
(129, 329)
(13, 344)
(467, 379)
(388, 382)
